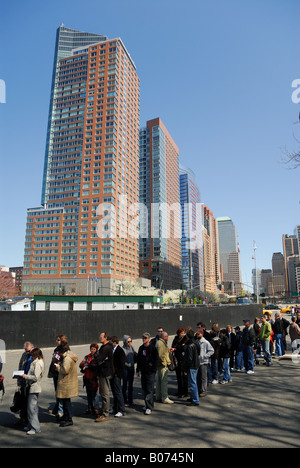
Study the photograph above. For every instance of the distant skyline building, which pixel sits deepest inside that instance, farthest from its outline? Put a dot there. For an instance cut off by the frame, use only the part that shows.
(229, 255)
(192, 248)
(91, 169)
(212, 269)
(290, 249)
(160, 222)
(278, 269)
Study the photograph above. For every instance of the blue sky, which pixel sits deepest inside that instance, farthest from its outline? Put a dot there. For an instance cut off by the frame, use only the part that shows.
(219, 74)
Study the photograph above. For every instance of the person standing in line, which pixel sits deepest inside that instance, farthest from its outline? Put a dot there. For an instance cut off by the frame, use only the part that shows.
(248, 342)
(231, 335)
(239, 360)
(90, 379)
(225, 354)
(295, 335)
(146, 367)
(269, 319)
(116, 381)
(159, 331)
(33, 384)
(24, 365)
(105, 368)
(280, 327)
(265, 338)
(191, 366)
(178, 347)
(164, 361)
(53, 374)
(128, 376)
(213, 367)
(67, 383)
(206, 351)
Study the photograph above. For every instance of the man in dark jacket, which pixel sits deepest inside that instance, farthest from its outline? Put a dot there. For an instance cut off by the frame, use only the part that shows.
(225, 354)
(104, 361)
(280, 327)
(116, 381)
(147, 365)
(248, 341)
(191, 365)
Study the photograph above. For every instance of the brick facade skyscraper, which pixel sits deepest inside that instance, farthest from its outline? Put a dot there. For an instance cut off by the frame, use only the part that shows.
(91, 163)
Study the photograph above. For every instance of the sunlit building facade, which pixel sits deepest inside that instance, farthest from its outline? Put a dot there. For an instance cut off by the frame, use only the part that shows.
(91, 167)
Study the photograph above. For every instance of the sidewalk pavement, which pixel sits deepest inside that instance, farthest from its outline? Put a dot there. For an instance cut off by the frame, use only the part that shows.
(259, 410)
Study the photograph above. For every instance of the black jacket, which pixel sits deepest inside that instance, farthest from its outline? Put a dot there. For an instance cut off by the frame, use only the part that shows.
(225, 347)
(119, 361)
(147, 359)
(104, 360)
(179, 347)
(249, 337)
(191, 355)
(280, 326)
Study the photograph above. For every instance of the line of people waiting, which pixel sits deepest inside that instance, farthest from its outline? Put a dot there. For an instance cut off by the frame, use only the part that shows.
(199, 358)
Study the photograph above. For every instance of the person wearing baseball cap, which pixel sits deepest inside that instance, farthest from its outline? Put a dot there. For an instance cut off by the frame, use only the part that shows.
(147, 366)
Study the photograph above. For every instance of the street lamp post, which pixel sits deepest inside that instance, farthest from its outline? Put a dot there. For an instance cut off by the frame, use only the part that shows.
(256, 275)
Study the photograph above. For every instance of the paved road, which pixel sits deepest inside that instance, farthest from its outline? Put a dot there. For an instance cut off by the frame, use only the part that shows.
(261, 410)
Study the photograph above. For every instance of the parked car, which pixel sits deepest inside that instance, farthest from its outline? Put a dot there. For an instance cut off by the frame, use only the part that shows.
(271, 307)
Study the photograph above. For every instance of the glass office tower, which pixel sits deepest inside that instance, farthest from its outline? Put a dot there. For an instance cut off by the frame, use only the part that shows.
(160, 217)
(229, 255)
(192, 237)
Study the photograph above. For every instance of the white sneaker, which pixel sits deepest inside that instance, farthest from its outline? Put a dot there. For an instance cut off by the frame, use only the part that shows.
(167, 401)
(32, 432)
(215, 382)
(119, 415)
(250, 372)
(148, 411)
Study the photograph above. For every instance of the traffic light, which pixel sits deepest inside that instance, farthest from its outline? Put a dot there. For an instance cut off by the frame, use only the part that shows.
(184, 299)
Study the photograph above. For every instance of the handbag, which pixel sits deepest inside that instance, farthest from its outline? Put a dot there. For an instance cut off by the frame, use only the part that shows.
(17, 402)
(174, 362)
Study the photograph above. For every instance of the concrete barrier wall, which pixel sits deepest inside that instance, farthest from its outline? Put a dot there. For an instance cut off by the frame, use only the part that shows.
(83, 327)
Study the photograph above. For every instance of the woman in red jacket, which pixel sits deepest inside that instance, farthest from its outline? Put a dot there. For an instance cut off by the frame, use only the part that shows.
(90, 379)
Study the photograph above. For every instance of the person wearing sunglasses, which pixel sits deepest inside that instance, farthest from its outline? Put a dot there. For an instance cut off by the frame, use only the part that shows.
(128, 377)
(146, 367)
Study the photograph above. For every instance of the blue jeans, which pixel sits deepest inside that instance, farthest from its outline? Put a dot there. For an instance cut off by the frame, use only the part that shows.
(192, 377)
(239, 360)
(128, 384)
(148, 383)
(226, 371)
(280, 351)
(212, 370)
(266, 350)
(116, 388)
(248, 357)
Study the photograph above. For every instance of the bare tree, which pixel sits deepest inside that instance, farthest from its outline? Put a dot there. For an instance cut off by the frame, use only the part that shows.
(292, 159)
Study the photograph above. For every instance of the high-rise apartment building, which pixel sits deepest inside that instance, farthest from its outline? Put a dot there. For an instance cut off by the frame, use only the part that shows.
(229, 255)
(290, 249)
(91, 171)
(160, 217)
(192, 248)
(211, 253)
(278, 270)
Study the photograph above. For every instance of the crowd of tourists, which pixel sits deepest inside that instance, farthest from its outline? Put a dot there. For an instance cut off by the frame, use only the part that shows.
(199, 357)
